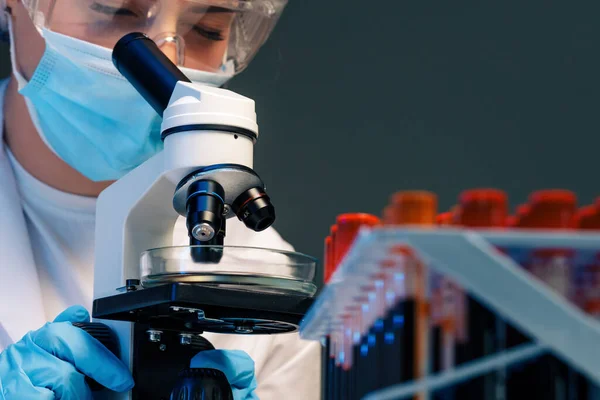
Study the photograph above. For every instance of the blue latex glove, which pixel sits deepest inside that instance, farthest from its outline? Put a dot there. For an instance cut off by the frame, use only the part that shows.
(52, 362)
(237, 366)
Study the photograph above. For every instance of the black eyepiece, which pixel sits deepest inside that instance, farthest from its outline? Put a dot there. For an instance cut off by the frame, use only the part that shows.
(148, 69)
(254, 209)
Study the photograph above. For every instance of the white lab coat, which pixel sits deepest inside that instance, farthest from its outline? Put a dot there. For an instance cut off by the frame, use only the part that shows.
(21, 308)
(285, 365)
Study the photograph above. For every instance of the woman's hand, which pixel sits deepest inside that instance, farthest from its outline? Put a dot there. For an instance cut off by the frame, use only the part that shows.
(237, 366)
(53, 362)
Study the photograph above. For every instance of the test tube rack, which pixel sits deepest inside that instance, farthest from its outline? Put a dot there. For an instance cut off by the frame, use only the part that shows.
(472, 260)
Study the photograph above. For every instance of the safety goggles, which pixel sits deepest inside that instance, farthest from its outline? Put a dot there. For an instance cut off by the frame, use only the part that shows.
(209, 35)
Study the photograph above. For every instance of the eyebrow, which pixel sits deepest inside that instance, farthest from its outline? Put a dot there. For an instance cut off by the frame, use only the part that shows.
(209, 9)
(146, 3)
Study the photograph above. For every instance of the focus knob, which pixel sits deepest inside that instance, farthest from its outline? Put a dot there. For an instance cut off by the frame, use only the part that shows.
(201, 383)
(104, 335)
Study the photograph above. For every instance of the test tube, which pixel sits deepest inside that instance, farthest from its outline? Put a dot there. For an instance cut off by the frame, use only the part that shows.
(481, 209)
(588, 297)
(448, 319)
(348, 227)
(404, 336)
(588, 219)
(548, 377)
(553, 210)
(326, 259)
(327, 372)
(331, 253)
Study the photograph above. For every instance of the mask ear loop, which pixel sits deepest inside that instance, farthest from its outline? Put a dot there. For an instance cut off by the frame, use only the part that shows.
(49, 16)
(5, 16)
(21, 81)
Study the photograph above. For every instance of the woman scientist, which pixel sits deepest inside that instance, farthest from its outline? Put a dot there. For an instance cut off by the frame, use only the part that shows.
(68, 131)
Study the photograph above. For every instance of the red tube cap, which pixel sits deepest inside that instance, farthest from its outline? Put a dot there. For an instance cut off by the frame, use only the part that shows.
(412, 208)
(481, 208)
(588, 218)
(522, 215)
(348, 227)
(552, 209)
(553, 196)
(444, 218)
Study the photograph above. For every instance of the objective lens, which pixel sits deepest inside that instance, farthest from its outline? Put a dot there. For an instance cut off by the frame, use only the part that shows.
(205, 221)
(254, 209)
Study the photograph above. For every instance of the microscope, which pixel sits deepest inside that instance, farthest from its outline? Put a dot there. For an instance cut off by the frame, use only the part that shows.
(152, 300)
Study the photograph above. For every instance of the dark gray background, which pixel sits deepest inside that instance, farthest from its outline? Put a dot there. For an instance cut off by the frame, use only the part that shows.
(359, 99)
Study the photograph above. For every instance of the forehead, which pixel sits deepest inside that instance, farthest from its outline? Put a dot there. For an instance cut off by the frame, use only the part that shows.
(176, 4)
(67, 10)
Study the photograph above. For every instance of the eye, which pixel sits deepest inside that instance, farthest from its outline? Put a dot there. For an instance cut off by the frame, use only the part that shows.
(210, 34)
(108, 10)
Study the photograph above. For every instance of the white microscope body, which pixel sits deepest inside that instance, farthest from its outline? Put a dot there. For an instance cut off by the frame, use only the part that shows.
(136, 213)
(204, 173)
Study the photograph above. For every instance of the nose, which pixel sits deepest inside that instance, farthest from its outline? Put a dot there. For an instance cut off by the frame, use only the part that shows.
(170, 50)
(173, 46)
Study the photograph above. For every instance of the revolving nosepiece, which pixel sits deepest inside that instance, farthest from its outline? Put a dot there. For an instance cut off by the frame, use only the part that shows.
(253, 207)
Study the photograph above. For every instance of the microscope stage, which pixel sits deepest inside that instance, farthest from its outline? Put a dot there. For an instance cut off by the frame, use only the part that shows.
(192, 308)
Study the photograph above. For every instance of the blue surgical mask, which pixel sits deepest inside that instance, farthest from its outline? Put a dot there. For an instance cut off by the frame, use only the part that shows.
(87, 113)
